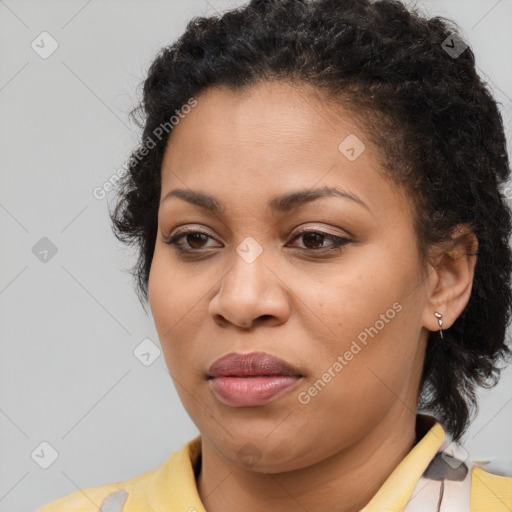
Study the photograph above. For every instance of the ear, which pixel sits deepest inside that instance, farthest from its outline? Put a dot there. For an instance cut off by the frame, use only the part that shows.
(451, 272)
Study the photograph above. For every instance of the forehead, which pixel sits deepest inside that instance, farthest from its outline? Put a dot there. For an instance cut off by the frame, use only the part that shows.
(272, 137)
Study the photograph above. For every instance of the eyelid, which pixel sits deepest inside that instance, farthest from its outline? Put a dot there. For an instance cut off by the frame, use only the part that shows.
(187, 228)
(182, 233)
(190, 228)
(322, 230)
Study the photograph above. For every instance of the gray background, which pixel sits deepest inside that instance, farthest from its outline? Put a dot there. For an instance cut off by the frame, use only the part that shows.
(69, 326)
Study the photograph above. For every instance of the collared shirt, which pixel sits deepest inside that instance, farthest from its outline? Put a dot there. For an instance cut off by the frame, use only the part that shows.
(435, 476)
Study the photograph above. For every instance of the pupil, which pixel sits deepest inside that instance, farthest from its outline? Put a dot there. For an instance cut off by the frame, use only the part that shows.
(197, 237)
(316, 237)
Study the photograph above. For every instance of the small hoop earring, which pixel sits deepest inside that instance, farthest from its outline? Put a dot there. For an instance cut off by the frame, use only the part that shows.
(440, 321)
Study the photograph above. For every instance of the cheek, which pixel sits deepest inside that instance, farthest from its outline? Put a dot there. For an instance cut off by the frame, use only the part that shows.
(373, 311)
(160, 296)
(376, 373)
(168, 298)
(177, 305)
(353, 297)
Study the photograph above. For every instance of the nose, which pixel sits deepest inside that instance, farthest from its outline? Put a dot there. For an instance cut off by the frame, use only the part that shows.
(251, 294)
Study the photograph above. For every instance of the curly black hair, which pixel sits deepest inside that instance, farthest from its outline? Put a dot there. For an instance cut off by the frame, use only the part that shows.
(436, 122)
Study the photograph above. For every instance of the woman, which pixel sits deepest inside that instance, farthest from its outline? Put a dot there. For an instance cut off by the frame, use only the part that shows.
(324, 247)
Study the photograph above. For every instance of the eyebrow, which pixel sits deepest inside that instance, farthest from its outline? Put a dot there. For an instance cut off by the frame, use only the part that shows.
(280, 204)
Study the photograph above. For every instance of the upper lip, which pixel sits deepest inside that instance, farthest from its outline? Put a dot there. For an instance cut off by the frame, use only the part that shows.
(246, 365)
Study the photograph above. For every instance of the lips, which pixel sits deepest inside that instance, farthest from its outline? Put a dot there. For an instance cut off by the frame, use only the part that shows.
(248, 380)
(251, 365)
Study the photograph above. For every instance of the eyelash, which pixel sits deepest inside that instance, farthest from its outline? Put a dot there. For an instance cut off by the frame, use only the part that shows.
(338, 241)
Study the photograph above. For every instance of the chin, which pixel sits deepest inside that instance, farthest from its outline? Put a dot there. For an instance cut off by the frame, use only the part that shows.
(267, 453)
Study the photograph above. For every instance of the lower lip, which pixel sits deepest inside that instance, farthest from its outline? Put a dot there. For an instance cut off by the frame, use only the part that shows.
(251, 391)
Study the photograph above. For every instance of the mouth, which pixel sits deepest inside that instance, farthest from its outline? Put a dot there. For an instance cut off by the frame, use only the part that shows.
(248, 380)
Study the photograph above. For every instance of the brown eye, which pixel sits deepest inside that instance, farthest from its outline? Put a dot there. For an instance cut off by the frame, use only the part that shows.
(195, 240)
(189, 241)
(313, 240)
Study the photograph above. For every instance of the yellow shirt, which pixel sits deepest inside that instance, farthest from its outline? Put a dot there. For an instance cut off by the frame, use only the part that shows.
(424, 471)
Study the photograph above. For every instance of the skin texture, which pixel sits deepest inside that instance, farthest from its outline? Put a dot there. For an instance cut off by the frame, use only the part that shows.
(302, 304)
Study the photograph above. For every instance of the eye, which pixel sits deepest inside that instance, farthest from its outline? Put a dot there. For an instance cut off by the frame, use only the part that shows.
(314, 239)
(193, 238)
(193, 241)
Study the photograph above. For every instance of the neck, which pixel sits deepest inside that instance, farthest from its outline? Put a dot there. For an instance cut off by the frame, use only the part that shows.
(344, 482)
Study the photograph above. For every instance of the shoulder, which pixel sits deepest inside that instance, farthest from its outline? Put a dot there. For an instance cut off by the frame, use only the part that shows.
(138, 494)
(107, 498)
(490, 492)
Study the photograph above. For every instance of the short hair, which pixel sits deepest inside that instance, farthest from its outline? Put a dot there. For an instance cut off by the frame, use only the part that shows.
(438, 127)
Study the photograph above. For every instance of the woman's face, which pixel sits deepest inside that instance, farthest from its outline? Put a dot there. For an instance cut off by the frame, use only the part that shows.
(263, 275)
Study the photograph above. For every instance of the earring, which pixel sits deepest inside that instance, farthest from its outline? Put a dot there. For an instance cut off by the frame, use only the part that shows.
(440, 321)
